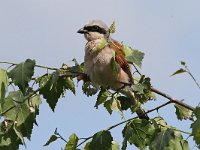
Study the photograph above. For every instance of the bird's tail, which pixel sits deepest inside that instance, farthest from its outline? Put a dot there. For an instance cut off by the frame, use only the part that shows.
(141, 113)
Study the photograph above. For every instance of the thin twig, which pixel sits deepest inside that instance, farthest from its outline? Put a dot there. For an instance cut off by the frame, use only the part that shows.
(49, 68)
(188, 71)
(61, 137)
(86, 139)
(136, 69)
(7, 110)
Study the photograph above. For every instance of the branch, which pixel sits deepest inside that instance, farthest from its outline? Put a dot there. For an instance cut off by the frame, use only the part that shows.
(179, 102)
(172, 100)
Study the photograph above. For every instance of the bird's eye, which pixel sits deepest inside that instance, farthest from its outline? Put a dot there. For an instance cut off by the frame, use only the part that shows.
(96, 28)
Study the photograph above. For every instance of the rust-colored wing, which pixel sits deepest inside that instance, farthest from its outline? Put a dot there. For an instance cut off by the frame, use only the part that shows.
(120, 57)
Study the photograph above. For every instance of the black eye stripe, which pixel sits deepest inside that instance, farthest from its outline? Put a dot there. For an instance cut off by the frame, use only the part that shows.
(95, 29)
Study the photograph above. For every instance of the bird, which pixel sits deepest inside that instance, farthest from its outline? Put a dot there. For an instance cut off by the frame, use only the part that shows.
(100, 52)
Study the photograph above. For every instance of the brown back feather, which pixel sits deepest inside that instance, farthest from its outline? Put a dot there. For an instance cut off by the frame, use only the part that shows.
(120, 57)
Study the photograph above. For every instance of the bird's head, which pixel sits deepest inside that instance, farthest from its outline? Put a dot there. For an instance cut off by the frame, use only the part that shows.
(95, 29)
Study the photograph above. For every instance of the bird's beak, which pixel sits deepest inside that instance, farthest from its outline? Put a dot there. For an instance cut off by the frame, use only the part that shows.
(82, 31)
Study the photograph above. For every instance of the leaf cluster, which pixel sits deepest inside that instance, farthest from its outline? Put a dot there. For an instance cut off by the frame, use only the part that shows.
(20, 106)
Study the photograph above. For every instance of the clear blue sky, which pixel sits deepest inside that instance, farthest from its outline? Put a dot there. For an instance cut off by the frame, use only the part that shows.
(45, 30)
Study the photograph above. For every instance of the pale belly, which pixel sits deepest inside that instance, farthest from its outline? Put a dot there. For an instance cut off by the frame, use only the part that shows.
(99, 69)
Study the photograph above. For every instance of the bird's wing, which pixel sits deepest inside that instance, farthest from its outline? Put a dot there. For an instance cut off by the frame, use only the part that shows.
(120, 57)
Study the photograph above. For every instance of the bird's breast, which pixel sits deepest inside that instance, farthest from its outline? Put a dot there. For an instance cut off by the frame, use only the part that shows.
(98, 66)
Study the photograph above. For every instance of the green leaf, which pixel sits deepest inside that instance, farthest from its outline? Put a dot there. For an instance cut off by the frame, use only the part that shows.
(17, 96)
(196, 126)
(33, 105)
(115, 105)
(43, 80)
(125, 102)
(107, 105)
(162, 139)
(143, 89)
(89, 88)
(138, 132)
(102, 97)
(112, 28)
(143, 85)
(22, 74)
(124, 144)
(167, 137)
(101, 141)
(115, 67)
(182, 112)
(3, 84)
(34, 101)
(133, 56)
(72, 142)
(87, 146)
(160, 124)
(9, 110)
(8, 137)
(51, 140)
(70, 85)
(181, 70)
(151, 95)
(52, 88)
(177, 143)
(21, 112)
(19, 134)
(102, 43)
(184, 144)
(77, 68)
(115, 145)
(25, 120)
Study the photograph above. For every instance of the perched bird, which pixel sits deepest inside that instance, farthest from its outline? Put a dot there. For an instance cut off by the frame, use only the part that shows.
(100, 51)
